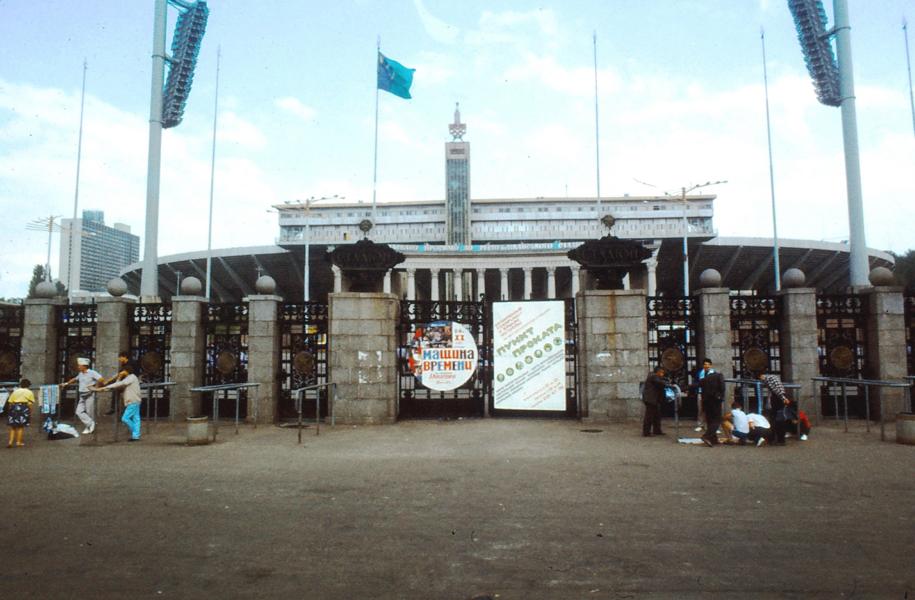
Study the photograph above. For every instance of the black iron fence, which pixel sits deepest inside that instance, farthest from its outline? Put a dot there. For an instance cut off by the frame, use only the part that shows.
(672, 343)
(755, 338)
(226, 352)
(76, 332)
(910, 332)
(149, 328)
(303, 358)
(11, 318)
(842, 346)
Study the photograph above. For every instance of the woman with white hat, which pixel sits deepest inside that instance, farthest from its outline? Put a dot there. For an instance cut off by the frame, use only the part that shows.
(85, 407)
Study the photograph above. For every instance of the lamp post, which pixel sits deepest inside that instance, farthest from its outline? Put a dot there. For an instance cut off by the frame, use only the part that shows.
(307, 238)
(683, 192)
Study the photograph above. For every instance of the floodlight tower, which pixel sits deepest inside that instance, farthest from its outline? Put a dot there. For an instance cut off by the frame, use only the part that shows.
(166, 108)
(835, 86)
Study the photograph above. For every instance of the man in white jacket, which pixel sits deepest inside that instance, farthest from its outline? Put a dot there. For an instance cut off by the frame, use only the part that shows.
(132, 398)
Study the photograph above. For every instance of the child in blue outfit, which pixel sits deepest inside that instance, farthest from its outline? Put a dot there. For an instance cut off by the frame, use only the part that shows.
(132, 398)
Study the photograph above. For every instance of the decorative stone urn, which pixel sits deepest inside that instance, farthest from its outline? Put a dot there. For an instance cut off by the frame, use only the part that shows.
(365, 263)
(609, 258)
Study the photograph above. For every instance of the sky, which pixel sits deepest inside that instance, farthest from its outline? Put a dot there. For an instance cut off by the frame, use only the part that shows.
(680, 100)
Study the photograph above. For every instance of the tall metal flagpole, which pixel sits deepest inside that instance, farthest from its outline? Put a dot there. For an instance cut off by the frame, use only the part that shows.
(778, 272)
(858, 263)
(212, 177)
(375, 170)
(596, 127)
(908, 64)
(149, 280)
(73, 282)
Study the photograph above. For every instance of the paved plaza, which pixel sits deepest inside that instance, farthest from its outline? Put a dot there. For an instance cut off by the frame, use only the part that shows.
(505, 508)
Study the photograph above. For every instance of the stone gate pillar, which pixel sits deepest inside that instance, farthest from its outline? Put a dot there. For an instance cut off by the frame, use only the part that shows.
(112, 333)
(362, 358)
(39, 341)
(613, 353)
(799, 345)
(714, 335)
(885, 355)
(263, 355)
(187, 354)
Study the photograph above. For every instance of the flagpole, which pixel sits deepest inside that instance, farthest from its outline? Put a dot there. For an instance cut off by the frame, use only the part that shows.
(79, 154)
(776, 266)
(375, 170)
(212, 178)
(908, 63)
(596, 127)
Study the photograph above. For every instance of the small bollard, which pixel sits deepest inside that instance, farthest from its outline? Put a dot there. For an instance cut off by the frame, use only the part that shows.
(198, 431)
(905, 428)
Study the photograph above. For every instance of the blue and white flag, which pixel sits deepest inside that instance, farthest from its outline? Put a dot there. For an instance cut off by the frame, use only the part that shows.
(394, 77)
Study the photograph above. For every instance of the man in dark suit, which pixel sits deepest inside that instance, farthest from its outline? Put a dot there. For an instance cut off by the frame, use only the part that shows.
(712, 395)
(652, 396)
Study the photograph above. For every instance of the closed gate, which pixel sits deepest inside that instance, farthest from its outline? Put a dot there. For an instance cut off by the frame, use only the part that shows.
(10, 342)
(303, 357)
(910, 334)
(76, 328)
(755, 335)
(672, 344)
(150, 329)
(842, 335)
(226, 354)
(468, 400)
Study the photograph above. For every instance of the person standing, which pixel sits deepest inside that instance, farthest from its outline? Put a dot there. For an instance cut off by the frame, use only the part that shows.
(85, 407)
(132, 399)
(19, 412)
(123, 360)
(652, 396)
(712, 395)
(778, 405)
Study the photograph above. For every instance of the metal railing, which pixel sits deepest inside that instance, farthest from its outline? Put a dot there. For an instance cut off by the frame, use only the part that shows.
(911, 380)
(153, 400)
(760, 397)
(866, 383)
(226, 388)
(332, 401)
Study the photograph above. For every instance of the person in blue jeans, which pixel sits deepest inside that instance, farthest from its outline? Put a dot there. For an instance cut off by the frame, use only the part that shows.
(132, 398)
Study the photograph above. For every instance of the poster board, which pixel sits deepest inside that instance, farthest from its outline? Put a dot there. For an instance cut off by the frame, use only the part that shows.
(443, 355)
(529, 356)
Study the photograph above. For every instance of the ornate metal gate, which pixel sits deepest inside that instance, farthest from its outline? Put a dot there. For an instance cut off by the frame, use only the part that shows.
(672, 343)
(303, 356)
(842, 338)
(76, 328)
(755, 335)
(910, 334)
(150, 329)
(226, 354)
(469, 400)
(10, 342)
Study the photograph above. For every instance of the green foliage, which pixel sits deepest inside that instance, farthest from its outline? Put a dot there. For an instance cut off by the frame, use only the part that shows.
(38, 276)
(905, 270)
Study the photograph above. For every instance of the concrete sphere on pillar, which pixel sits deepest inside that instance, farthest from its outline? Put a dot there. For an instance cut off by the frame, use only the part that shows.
(710, 278)
(117, 286)
(191, 286)
(265, 285)
(45, 289)
(793, 278)
(882, 276)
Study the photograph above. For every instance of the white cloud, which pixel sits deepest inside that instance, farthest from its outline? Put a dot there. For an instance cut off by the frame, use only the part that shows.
(236, 130)
(438, 30)
(576, 81)
(295, 107)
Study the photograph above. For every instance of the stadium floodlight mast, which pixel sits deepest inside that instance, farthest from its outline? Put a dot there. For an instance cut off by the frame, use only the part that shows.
(49, 224)
(835, 86)
(166, 108)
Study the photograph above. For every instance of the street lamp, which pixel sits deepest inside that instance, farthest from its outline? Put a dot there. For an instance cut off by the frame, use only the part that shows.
(683, 192)
(307, 208)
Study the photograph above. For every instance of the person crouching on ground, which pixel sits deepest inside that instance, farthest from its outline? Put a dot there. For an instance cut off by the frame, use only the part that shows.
(19, 412)
(652, 396)
(760, 429)
(712, 395)
(132, 398)
(85, 406)
(735, 423)
(779, 407)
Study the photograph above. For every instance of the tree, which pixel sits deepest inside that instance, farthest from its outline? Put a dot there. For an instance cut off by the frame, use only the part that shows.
(905, 270)
(38, 275)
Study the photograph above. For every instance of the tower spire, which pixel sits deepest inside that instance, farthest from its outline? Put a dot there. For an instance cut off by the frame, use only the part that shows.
(457, 129)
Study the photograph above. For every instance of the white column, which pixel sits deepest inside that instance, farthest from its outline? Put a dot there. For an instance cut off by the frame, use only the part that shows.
(434, 288)
(626, 281)
(528, 282)
(458, 284)
(550, 282)
(503, 284)
(576, 280)
(652, 265)
(338, 278)
(481, 283)
(411, 284)
(387, 283)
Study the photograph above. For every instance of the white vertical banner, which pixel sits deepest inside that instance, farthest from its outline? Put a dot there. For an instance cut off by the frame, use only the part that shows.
(529, 355)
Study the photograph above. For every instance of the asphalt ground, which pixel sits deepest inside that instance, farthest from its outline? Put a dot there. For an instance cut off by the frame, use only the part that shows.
(504, 508)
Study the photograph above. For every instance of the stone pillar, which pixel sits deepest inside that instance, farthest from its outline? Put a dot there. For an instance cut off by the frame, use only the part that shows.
(386, 285)
(714, 334)
(111, 334)
(338, 278)
(39, 343)
(799, 355)
(503, 284)
(263, 356)
(481, 284)
(434, 287)
(411, 284)
(362, 358)
(576, 280)
(651, 265)
(528, 282)
(886, 356)
(458, 279)
(613, 353)
(187, 354)
(626, 284)
(551, 283)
